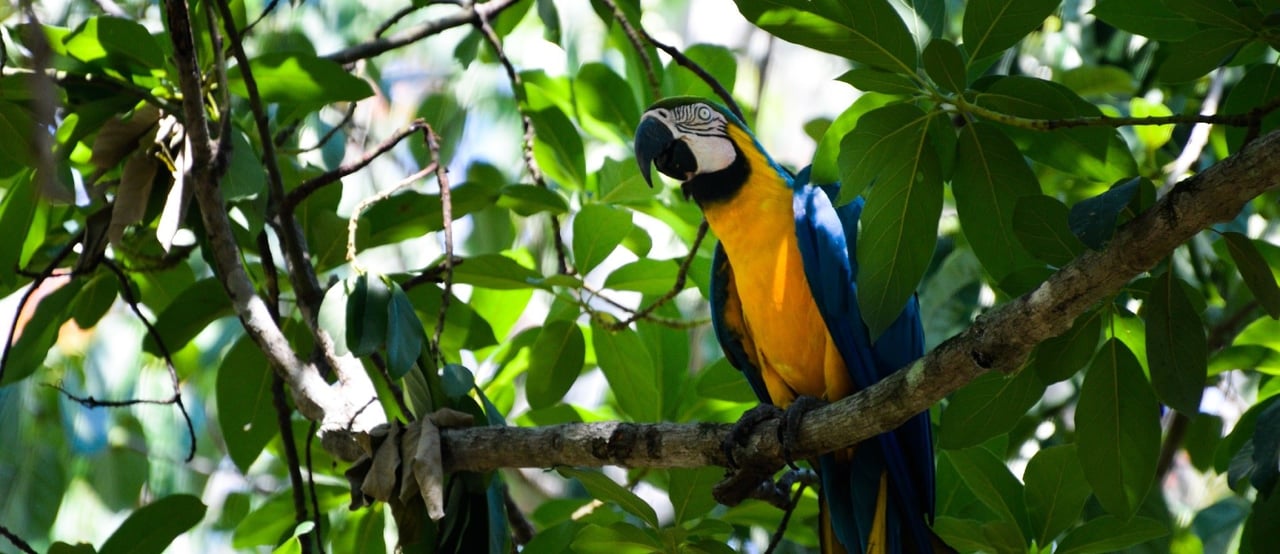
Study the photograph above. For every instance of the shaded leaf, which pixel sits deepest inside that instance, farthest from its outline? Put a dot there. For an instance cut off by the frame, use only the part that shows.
(630, 371)
(991, 26)
(1110, 534)
(1040, 224)
(1118, 430)
(246, 416)
(868, 32)
(991, 405)
(993, 484)
(1255, 272)
(528, 200)
(495, 271)
(721, 381)
(1149, 18)
(1093, 220)
(1201, 53)
(945, 65)
(715, 59)
(1260, 84)
(151, 528)
(1176, 346)
(606, 97)
(646, 275)
(875, 80)
(404, 334)
(1059, 358)
(826, 168)
(367, 300)
(194, 309)
(1056, 490)
(16, 214)
(990, 177)
(603, 488)
(557, 146)
(690, 491)
(554, 363)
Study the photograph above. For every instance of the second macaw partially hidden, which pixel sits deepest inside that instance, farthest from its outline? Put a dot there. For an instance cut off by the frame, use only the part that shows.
(784, 307)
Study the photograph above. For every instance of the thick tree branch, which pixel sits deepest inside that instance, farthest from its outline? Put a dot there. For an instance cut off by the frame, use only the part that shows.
(1000, 340)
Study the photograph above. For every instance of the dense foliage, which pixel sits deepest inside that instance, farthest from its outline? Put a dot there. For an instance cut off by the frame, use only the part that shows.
(539, 281)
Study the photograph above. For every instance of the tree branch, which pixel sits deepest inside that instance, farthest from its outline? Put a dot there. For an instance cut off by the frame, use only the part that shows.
(468, 14)
(1000, 340)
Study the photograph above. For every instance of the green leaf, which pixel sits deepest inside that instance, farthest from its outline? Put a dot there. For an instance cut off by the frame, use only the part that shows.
(246, 416)
(991, 26)
(606, 97)
(868, 32)
(1177, 350)
(1118, 430)
(1040, 224)
(404, 334)
(64, 548)
(194, 309)
(120, 43)
(495, 271)
(367, 300)
(716, 60)
(945, 65)
(1056, 490)
(528, 200)
(1149, 18)
(1093, 220)
(993, 483)
(333, 316)
(630, 371)
(1101, 80)
(1110, 534)
(1253, 357)
(925, 19)
(299, 80)
(1266, 451)
(965, 535)
(721, 381)
(874, 80)
(617, 538)
(1260, 84)
(16, 214)
(41, 331)
(991, 405)
(1260, 528)
(646, 275)
(690, 491)
(891, 147)
(1213, 13)
(557, 146)
(410, 215)
(990, 177)
(826, 168)
(1058, 358)
(1204, 434)
(95, 299)
(151, 528)
(1152, 136)
(1201, 53)
(550, 20)
(554, 363)
(603, 488)
(597, 231)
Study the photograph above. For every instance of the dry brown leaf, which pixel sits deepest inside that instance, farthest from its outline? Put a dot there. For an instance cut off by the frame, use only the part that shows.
(119, 136)
(380, 482)
(131, 197)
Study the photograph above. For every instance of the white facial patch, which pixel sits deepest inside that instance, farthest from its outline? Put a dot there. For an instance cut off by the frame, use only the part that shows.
(704, 130)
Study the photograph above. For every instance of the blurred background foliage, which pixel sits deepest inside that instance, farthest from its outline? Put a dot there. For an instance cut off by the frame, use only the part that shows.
(1071, 454)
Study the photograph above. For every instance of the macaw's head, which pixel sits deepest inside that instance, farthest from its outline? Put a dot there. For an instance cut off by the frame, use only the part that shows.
(696, 142)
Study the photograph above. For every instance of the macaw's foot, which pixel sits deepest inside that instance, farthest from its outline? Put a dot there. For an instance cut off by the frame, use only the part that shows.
(789, 424)
(741, 430)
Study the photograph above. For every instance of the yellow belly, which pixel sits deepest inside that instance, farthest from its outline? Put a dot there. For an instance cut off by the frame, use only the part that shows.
(787, 338)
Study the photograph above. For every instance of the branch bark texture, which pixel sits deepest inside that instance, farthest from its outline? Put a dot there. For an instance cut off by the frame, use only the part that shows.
(1001, 339)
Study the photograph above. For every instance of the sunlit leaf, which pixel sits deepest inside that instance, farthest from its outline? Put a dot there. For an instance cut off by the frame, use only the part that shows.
(151, 528)
(246, 416)
(645, 275)
(298, 79)
(991, 26)
(597, 231)
(630, 372)
(554, 363)
(868, 32)
(121, 43)
(605, 489)
(558, 147)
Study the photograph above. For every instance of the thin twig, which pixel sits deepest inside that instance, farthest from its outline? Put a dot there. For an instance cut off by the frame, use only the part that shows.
(297, 487)
(353, 223)
(310, 186)
(16, 540)
(678, 286)
(446, 213)
(467, 14)
(311, 485)
(328, 135)
(517, 85)
(786, 519)
(693, 66)
(395, 18)
(655, 87)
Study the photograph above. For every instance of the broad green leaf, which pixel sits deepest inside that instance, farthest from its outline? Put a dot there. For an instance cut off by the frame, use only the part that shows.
(1056, 490)
(554, 363)
(527, 200)
(246, 416)
(720, 381)
(1241, 435)
(1152, 136)
(990, 177)
(646, 275)
(367, 300)
(1118, 430)
(620, 183)
(606, 97)
(550, 20)
(1249, 357)
(993, 483)
(826, 168)
(299, 79)
(991, 26)
(1201, 53)
(27, 354)
(245, 176)
(1260, 528)
(95, 299)
(1093, 220)
(463, 326)
(1176, 346)
(409, 215)
(1100, 80)
(963, 534)
(1260, 84)
(990, 405)
(945, 65)
(17, 129)
(891, 148)
(603, 488)
(690, 491)
(332, 317)
(78, 548)
(1149, 18)
(617, 538)
(16, 213)
(115, 42)
(597, 231)
(404, 334)
(151, 528)
(630, 371)
(868, 32)
(274, 519)
(1059, 358)
(1266, 451)
(716, 60)
(925, 19)
(557, 146)
(875, 80)
(1110, 534)
(1204, 434)
(194, 309)
(1214, 13)
(495, 271)
(1040, 225)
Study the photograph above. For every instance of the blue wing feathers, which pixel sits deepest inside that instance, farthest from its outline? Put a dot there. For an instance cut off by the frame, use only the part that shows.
(828, 240)
(721, 288)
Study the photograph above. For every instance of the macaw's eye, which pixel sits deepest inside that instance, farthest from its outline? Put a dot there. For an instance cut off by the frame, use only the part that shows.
(704, 113)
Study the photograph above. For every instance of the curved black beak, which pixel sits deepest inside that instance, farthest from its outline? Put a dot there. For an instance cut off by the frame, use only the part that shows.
(653, 138)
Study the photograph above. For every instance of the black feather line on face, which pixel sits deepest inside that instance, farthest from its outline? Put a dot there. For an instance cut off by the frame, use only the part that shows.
(719, 186)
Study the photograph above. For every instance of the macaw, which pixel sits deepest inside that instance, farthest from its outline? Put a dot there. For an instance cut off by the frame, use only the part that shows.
(784, 308)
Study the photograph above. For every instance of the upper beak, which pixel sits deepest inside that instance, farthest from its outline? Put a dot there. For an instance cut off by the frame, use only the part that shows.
(653, 138)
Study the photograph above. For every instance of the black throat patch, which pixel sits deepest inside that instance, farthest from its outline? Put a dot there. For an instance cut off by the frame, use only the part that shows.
(719, 186)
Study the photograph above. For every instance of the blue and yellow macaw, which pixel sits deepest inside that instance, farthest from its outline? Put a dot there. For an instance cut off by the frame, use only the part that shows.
(784, 307)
